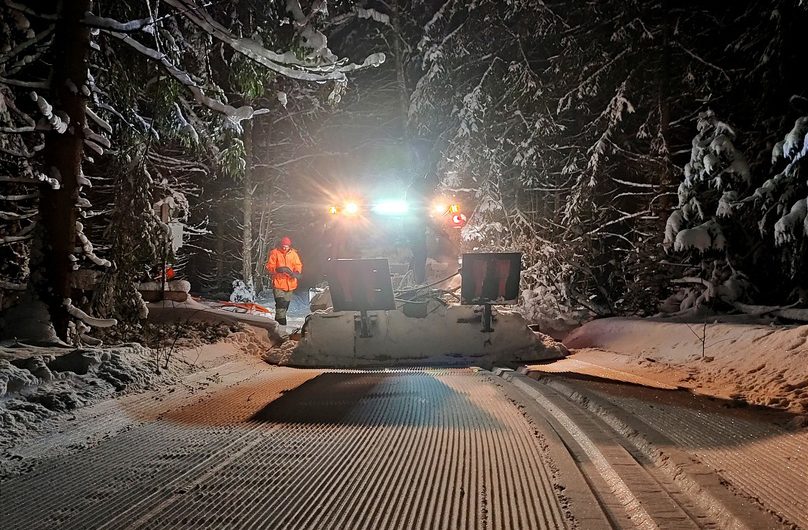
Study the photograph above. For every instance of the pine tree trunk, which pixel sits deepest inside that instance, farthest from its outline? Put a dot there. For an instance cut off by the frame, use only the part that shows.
(219, 232)
(63, 152)
(246, 230)
(263, 227)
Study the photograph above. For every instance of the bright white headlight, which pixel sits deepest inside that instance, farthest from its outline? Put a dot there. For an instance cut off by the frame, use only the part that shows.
(391, 207)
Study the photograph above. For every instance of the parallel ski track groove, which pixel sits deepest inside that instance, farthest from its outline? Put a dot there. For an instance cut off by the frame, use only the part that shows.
(109, 474)
(414, 449)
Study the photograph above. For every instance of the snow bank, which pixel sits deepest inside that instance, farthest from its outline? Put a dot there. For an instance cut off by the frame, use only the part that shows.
(39, 386)
(448, 336)
(762, 365)
(36, 384)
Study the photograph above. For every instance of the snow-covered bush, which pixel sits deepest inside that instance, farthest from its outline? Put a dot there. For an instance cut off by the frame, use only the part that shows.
(242, 292)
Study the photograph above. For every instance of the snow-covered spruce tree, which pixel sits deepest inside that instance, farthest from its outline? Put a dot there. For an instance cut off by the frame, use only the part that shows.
(704, 227)
(64, 56)
(138, 241)
(782, 205)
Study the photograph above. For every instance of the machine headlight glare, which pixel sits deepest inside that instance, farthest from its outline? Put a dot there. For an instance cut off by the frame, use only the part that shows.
(391, 207)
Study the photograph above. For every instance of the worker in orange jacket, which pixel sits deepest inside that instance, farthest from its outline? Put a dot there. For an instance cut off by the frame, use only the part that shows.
(285, 267)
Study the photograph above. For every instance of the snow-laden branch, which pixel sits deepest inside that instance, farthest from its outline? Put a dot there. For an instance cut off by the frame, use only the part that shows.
(789, 312)
(13, 216)
(439, 15)
(176, 163)
(75, 312)
(21, 154)
(18, 49)
(566, 100)
(113, 25)
(41, 85)
(22, 235)
(625, 217)
(703, 61)
(10, 104)
(286, 64)
(22, 8)
(104, 124)
(9, 286)
(39, 180)
(372, 14)
(87, 247)
(16, 198)
(636, 184)
(17, 130)
(297, 159)
(234, 115)
(58, 122)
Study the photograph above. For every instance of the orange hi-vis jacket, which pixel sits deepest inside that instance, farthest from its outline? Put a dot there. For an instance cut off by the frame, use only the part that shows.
(279, 258)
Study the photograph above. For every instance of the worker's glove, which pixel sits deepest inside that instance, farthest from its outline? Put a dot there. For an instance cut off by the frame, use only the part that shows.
(285, 270)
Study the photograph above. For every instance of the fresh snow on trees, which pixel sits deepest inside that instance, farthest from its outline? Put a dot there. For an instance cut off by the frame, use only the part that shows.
(789, 227)
(792, 150)
(572, 144)
(139, 77)
(716, 174)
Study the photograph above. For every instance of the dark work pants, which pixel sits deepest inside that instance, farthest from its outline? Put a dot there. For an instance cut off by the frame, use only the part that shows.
(282, 301)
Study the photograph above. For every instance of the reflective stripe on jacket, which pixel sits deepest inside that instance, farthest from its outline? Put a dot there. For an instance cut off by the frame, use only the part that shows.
(279, 258)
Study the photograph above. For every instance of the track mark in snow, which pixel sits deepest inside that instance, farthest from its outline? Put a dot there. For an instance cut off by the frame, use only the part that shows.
(302, 449)
(618, 486)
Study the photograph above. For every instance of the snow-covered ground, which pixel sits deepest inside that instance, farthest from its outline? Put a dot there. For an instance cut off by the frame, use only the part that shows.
(41, 386)
(753, 363)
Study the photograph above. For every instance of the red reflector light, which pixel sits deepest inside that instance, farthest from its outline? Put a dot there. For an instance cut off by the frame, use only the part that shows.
(459, 219)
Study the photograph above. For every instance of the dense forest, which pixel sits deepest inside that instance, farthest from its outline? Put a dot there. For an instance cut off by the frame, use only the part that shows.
(644, 156)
